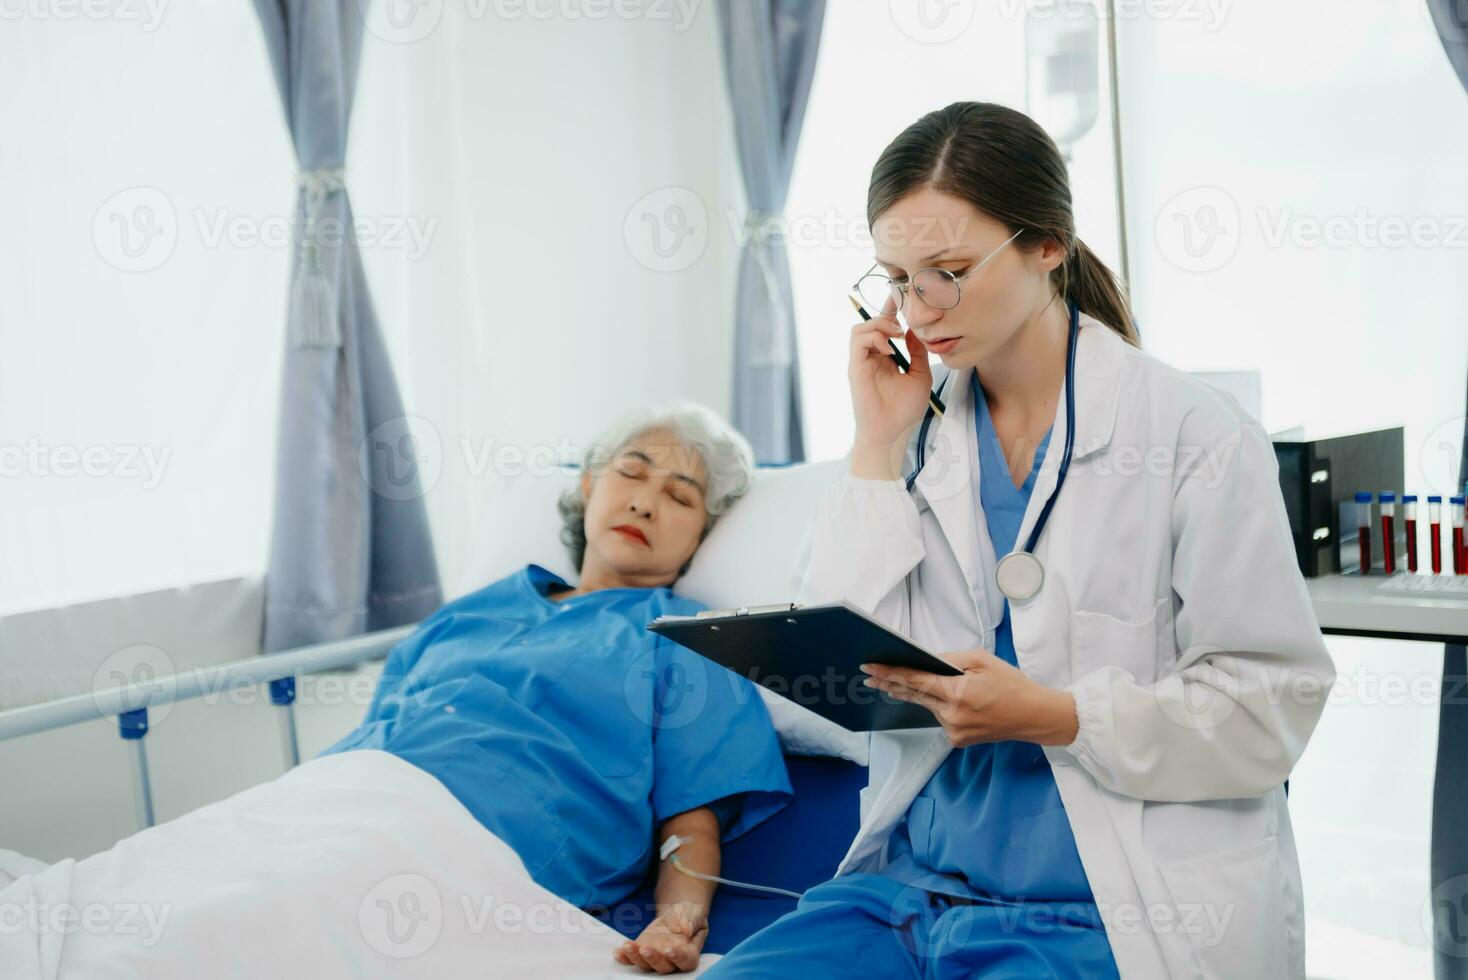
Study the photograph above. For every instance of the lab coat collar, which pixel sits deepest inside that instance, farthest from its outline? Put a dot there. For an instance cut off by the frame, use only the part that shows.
(951, 464)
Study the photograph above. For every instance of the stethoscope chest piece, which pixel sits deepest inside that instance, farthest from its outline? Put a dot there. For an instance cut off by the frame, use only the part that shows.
(1019, 576)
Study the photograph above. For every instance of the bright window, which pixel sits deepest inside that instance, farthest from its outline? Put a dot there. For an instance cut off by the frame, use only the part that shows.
(881, 67)
(146, 182)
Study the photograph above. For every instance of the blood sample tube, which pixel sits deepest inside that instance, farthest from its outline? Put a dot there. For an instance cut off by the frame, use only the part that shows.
(1363, 530)
(1458, 556)
(1388, 503)
(1435, 531)
(1409, 518)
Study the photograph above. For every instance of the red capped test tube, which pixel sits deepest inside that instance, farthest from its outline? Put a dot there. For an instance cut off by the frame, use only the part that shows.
(1409, 518)
(1388, 502)
(1363, 530)
(1435, 531)
(1458, 555)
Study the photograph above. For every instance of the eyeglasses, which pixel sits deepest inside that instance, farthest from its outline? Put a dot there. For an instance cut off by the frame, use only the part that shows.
(938, 288)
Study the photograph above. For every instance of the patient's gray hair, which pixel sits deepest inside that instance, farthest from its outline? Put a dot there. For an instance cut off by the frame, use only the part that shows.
(728, 463)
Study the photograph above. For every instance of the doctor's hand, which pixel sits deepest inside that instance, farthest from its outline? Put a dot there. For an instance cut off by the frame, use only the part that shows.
(991, 701)
(886, 402)
(671, 942)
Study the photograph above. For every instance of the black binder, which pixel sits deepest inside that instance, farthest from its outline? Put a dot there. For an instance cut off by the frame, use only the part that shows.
(811, 655)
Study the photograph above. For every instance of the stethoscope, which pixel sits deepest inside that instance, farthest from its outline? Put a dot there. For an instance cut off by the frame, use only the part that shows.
(1020, 574)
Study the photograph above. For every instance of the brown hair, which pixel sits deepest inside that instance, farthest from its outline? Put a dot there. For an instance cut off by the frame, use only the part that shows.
(1007, 167)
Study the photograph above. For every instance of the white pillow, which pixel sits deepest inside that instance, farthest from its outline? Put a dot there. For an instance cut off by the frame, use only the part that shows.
(748, 560)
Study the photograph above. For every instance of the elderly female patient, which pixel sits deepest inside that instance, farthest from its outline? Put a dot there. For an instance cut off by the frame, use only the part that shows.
(527, 750)
(568, 730)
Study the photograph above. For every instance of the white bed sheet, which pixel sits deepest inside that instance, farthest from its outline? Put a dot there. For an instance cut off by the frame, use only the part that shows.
(350, 865)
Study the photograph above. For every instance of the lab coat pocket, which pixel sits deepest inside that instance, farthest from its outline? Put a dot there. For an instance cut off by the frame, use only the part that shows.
(1233, 908)
(1098, 639)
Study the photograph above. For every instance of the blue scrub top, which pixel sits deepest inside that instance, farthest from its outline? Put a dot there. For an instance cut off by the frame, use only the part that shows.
(990, 822)
(571, 732)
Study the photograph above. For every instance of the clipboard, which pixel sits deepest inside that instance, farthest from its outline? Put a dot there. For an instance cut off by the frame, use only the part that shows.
(811, 655)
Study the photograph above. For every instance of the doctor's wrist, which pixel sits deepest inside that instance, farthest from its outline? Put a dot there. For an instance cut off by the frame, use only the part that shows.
(1057, 722)
(877, 461)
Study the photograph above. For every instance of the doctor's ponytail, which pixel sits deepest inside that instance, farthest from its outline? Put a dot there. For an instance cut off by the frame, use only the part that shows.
(1002, 162)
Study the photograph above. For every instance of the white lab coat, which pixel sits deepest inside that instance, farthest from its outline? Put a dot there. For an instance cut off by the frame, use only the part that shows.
(1173, 610)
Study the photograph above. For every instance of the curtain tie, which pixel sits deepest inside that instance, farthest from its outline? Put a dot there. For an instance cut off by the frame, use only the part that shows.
(771, 332)
(315, 305)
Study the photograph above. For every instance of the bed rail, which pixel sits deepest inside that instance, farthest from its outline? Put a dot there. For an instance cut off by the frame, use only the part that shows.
(129, 703)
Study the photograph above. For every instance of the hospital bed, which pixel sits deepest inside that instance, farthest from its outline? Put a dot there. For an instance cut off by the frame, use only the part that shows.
(747, 560)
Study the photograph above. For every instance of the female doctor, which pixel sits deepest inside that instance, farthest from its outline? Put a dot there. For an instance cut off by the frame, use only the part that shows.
(1100, 542)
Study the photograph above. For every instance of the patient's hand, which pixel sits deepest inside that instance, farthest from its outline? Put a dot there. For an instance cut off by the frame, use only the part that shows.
(671, 942)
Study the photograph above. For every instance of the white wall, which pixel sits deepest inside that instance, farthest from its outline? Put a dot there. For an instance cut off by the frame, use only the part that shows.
(539, 311)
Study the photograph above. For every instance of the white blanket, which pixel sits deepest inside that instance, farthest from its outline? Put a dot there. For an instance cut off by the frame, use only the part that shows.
(351, 865)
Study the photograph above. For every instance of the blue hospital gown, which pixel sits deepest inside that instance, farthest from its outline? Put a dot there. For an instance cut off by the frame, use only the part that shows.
(571, 732)
(983, 877)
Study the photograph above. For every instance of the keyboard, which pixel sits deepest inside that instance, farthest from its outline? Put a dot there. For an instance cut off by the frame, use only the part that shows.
(1410, 586)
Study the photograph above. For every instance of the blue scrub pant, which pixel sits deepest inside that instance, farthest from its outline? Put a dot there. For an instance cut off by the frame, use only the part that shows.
(871, 925)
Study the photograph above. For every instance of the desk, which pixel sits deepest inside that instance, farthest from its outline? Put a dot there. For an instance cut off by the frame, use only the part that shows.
(1349, 605)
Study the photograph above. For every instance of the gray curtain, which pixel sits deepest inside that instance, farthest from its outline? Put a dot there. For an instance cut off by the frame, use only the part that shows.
(769, 55)
(1449, 883)
(350, 550)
